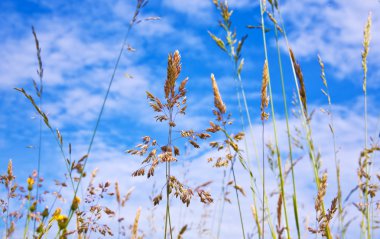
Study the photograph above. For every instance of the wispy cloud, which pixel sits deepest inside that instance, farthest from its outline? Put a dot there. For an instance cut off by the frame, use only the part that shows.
(334, 30)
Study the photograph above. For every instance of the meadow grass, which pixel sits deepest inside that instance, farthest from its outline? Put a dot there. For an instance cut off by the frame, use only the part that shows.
(84, 214)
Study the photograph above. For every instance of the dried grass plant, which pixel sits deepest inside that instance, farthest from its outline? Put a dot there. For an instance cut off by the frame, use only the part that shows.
(173, 105)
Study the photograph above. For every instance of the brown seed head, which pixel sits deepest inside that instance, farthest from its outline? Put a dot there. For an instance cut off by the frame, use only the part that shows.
(302, 90)
(173, 71)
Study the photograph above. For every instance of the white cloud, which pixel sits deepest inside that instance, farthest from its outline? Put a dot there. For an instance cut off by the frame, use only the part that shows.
(241, 4)
(333, 29)
(197, 10)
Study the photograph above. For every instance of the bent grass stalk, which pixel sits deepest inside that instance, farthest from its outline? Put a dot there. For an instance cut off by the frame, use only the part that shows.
(282, 182)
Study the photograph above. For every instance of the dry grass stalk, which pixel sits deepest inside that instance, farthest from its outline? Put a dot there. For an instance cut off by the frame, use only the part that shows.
(301, 81)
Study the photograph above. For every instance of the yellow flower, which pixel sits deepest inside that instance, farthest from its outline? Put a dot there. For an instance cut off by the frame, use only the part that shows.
(62, 221)
(30, 182)
(75, 204)
(57, 213)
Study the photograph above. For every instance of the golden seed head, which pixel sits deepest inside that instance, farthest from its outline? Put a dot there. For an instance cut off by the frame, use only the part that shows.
(218, 102)
(173, 71)
(10, 169)
(264, 92)
(117, 191)
(366, 41)
(136, 224)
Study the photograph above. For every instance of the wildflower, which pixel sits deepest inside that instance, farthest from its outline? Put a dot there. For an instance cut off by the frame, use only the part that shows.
(30, 182)
(74, 205)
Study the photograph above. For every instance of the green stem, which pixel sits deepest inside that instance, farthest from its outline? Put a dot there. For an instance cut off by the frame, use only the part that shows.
(238, 200)
(26, 228)
(223, 203)
(305, 122)
(238, 79)
(282, 183)
(295, 204)
(336, 160)
(167, 214)
(104, 101)
(366, 199)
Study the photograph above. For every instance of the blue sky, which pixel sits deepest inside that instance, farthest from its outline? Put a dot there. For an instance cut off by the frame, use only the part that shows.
(81, 39)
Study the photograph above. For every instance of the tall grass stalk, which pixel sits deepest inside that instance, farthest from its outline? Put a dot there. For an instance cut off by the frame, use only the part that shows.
(366, 41)
(220, 113)
(222, 198)
(39, 90)
(234, 52)
(305, 121)
(167, 213)
(140, 4)
(279, 163)
(294, 197)
(26, 227)
(326, 91)
(264, 117)
(237, 198)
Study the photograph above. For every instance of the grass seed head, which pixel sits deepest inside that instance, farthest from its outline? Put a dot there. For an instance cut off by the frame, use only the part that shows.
(218, 102)
(366, 41)
(264, 92)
